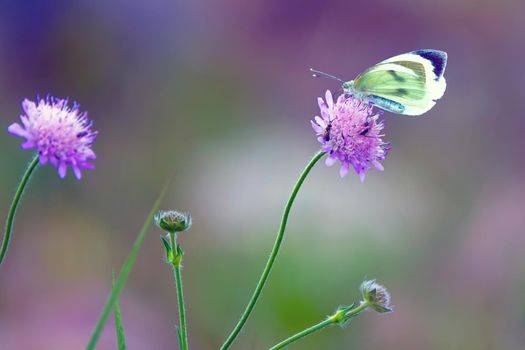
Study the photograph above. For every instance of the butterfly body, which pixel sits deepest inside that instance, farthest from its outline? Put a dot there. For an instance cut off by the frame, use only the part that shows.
(406, 84)
(381, 102)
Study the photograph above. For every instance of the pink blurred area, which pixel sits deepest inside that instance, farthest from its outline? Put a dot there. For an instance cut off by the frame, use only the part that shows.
(218, 94)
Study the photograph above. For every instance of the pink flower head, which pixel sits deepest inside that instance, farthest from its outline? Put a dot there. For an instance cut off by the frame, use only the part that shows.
(350, 132)
(61, 134)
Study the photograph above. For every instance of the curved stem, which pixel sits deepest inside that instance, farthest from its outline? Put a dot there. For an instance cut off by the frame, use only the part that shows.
(304, 333)
(273, 254)
(338, 316)
(14, 206)
(183, 335)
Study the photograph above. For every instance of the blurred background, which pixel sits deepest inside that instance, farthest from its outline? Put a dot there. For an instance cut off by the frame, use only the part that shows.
(219, 94)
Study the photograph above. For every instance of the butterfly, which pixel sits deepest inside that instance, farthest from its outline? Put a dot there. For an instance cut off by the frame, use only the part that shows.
(407, 84)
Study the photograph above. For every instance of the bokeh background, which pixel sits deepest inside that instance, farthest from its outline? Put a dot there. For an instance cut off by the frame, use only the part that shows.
(218, 93)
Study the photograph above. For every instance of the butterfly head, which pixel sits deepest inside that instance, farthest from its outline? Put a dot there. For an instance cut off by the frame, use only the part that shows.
(348, 87)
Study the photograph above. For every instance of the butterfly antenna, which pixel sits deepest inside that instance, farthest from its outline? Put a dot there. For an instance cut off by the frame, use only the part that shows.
(317, 74)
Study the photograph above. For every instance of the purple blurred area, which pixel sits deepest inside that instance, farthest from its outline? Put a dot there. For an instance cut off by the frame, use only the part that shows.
(219, 94)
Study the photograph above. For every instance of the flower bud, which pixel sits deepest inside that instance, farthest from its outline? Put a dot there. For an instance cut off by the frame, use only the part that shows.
(376, 296)
(173, 221)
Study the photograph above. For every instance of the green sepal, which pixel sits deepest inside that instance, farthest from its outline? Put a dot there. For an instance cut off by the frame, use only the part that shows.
(180, 252)
(344, 320)
(177, 259)
(349, 307)
(167, 246)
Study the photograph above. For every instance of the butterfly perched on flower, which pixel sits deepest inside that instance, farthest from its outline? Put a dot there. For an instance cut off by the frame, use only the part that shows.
(407, 84)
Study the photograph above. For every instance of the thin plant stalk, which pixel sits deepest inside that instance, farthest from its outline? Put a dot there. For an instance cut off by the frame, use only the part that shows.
(14, 205)
(124, 273)
(183, 335)
(328, 322)
(273, 254)
(119, 328)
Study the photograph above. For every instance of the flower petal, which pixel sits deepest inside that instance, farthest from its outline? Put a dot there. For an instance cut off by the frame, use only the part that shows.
(343, 171)
(329, 99)
(88, 166)
(28, 145)
(28, 106)
(330, 161)
(62, 170)
(320, 121)
(18, 130)
(25, 121)
(88, 152)
(321, 103)
(316, 127)
(378, 165)
(78, 173)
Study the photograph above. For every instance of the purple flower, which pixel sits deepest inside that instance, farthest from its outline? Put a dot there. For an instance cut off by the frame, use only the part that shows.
(350, 132)
(61, 134)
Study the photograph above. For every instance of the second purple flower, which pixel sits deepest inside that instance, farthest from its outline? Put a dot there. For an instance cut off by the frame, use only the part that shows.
(350, 132)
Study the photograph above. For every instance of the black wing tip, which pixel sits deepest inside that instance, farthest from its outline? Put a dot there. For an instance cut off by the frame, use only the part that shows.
(431, 52)
(437, 57)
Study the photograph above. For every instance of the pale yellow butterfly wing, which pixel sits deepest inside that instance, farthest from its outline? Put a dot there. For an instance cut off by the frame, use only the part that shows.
(405, 84)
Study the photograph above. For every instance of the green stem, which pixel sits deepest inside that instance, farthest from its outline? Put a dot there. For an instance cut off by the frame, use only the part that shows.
(119, 329)
(14, 206)
(273, 254)
(180, 297)
(182, 310)
(124, 273)
(304, 333)
(338, 316)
